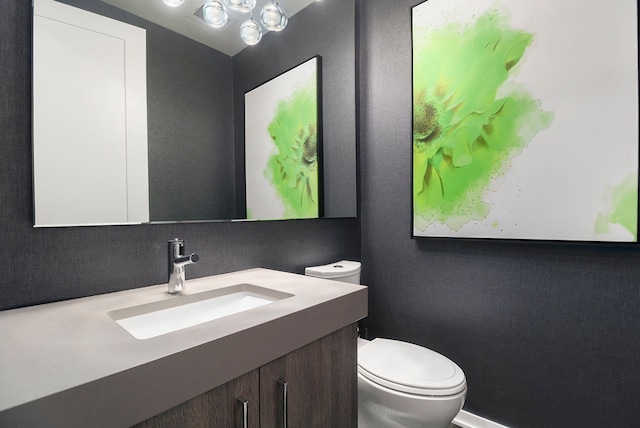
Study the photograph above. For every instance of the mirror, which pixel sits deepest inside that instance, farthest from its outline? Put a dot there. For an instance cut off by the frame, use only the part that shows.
(195, 108)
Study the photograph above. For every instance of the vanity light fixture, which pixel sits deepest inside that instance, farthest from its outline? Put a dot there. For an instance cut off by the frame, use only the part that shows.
(273, 17)
(241, 5)
(215, 14)
(173, 3)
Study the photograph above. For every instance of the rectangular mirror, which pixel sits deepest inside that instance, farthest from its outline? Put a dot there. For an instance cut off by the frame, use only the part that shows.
(195, 102)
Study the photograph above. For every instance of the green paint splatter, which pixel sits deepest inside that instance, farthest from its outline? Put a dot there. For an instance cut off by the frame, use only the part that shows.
(293, 169)
(464, 135)
(623, 207)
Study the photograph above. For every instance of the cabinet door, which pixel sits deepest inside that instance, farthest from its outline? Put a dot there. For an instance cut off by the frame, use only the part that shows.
(321, 385)
(218, 408)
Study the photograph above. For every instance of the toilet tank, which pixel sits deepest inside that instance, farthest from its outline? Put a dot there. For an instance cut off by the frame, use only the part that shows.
(345, 271)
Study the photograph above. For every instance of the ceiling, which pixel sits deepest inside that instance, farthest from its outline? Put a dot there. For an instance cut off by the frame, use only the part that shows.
(182, 19)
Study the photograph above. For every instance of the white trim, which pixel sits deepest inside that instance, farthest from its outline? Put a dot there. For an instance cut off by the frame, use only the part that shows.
(465, 419)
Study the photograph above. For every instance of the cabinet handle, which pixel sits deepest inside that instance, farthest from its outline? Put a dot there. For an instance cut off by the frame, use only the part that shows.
(245, 412)
(283, 386)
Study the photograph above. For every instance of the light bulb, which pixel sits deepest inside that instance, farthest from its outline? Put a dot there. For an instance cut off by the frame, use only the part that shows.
(173, 3)
(250, 32)
(241, 5)
(215, 14)
(273, 17)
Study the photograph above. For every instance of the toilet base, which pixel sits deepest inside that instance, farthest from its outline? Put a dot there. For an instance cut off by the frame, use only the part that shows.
(381, 407)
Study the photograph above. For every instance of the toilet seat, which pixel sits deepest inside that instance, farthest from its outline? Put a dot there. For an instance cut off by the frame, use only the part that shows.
(409, 368)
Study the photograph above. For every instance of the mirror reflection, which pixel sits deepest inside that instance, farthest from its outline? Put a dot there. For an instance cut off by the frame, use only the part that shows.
(196, 112)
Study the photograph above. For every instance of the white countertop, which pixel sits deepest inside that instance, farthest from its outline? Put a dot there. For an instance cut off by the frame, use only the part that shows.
(70, 364)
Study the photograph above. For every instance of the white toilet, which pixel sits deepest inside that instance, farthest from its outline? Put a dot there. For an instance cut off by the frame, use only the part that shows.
(400, 384)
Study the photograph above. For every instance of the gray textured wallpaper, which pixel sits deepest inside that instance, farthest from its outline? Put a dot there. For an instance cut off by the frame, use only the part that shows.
(546, 333)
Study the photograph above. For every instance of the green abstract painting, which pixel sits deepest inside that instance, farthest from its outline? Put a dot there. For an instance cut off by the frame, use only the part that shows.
(282, 145)
(494, 106)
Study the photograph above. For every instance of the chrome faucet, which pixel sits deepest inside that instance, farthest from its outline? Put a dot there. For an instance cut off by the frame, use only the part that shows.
(177, 262)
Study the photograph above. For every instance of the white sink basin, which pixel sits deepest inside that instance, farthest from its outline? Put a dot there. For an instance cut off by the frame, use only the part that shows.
(182, 311)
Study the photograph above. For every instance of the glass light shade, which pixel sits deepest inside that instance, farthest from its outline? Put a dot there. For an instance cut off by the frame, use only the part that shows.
(173, 3)
(241, 5)
(215, 14)
(273, 17)
(250, 32)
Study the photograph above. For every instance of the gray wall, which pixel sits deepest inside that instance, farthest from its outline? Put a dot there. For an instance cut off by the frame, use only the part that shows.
(547, 334)
(325, 29)
(191, 173)
(190, 123)
(43, 265)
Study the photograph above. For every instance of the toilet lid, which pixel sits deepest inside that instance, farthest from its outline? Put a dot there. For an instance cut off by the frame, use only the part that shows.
(409, 368)
(333, 270)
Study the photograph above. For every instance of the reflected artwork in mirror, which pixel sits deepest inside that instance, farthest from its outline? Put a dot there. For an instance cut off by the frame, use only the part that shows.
(283, 137)
(195, 104)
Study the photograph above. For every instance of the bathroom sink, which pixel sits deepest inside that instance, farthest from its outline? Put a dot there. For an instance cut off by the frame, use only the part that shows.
(182, 311)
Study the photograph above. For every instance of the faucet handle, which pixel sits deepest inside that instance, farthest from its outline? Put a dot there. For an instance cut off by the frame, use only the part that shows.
(185, 260)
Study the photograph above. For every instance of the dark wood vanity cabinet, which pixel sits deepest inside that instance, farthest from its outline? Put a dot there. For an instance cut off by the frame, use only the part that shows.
(219, 407)
(312, 387)
(321, 381)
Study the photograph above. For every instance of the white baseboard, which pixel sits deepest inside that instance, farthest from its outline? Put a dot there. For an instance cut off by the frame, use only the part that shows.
(465, 419)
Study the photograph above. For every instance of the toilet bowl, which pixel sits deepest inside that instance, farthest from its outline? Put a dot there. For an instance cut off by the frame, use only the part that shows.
(400, 385)
(405, 385)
